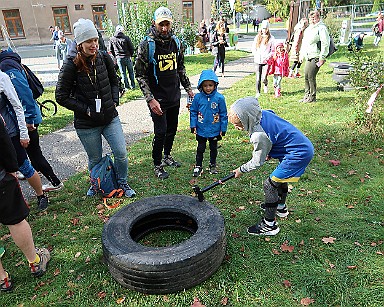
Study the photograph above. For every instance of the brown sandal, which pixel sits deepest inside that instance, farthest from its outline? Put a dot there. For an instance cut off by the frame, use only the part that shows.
(6, 283)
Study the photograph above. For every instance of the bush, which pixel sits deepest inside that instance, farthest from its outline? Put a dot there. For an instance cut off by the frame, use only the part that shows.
(366, 77)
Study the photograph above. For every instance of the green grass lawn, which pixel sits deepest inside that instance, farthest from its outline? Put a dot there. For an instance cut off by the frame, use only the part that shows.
(343, 202)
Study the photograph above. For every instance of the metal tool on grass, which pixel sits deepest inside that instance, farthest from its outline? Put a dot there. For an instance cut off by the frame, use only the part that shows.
(199, 192)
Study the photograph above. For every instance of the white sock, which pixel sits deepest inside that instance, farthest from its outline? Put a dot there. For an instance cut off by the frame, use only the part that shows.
(269, 223)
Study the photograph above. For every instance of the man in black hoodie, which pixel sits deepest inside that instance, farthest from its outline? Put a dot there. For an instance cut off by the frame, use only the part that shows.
(122, 49)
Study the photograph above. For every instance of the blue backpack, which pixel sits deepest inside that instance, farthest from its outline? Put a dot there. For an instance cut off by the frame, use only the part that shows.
(104, 180)
(151, 52)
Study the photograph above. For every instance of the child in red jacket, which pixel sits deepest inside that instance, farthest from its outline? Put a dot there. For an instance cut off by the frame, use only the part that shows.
(279, 67)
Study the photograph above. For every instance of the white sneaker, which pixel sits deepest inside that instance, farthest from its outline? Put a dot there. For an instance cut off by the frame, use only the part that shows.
(265, 89)
(50, 187)
(257, 95)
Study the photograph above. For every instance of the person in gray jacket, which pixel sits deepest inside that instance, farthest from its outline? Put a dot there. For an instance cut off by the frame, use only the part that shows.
(121, 47)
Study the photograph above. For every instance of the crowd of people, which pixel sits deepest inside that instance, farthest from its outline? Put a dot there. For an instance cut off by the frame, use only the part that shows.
(88, 85)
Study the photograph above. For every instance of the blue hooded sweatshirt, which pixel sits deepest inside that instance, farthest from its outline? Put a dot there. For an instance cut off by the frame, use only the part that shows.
(208, 112)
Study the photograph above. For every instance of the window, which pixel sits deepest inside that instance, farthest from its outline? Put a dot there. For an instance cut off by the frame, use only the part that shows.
(61, 18)
(98, 12)
(13, 23)
(188, 11)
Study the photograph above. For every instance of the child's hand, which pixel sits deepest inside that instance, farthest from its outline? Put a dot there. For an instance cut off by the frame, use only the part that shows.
(237, 173)
(193, 130)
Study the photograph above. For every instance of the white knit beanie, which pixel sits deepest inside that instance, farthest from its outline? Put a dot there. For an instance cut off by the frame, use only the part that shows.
(84, 29)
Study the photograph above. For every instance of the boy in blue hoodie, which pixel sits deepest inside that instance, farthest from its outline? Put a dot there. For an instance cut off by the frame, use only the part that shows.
(272, 137)
(208, 119)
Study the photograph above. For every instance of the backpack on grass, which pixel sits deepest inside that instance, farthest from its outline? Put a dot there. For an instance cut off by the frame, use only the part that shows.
(34, 83)
(104, 180)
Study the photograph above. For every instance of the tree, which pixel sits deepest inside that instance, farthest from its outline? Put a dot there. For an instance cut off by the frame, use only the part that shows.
(238, 7)
(278, 7)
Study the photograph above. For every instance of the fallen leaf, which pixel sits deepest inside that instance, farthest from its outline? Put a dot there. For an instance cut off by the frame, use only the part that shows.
(287, 283)
(334, 162)
(88, 259)
(379, 252)
(267, 239)
(75, 221)
(196, 303)
(56, 272)
(306, 301)
(275, 251)
(351, 267)
(287, 248)
(298, 221)
(224, 301)
(77, 255)
(165, 298)
(357, 243)
(120, 300)
(235, 235)
(101, 294)
(352, 172)
(328, 240)
(350, 206)
(373, 244)
(334, 176)
(301, 243)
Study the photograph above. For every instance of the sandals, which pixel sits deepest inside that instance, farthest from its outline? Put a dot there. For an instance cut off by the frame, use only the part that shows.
(6, 283)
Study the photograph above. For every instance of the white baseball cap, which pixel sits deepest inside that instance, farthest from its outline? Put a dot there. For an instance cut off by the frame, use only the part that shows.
(161, 14)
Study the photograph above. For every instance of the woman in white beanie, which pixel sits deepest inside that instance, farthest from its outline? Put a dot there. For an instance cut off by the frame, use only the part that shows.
(88, 86)
(263, 48)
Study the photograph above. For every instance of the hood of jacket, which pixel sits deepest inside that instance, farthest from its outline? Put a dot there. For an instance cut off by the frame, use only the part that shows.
(249, 112)
(206, 75)
(119, 34)
(9, 60)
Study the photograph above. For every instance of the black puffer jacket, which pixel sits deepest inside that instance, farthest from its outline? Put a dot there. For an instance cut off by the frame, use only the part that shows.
(76, 92)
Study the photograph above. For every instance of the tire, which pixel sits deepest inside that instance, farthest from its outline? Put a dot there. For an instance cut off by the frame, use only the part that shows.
(161, 270)
(48, 108)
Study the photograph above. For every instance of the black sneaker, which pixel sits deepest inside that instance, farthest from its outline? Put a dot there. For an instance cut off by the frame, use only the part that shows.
(42, 202)
(169, 161)
(212, 169)
(197, 171)
(263, 229)
(160, 172)
(280, 212)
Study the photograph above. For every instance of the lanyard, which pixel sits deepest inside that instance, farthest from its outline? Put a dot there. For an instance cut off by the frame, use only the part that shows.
(94, 84)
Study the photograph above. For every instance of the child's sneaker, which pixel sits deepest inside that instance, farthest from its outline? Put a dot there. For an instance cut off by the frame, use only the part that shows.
(38, 269)
(42, 202)
(50, 187)
(297, 75)
(128, 191)
(197, 171)
(263, 229)
(160, 172)
(6, 283)
(282, 210)
(212, 169)
(168, 160)
(265, 89)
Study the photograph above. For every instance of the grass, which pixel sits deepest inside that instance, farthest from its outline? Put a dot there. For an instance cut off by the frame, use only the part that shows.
(343, 202)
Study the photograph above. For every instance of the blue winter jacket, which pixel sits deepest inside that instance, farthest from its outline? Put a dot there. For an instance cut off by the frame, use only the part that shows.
(10, 63)
(208, 112)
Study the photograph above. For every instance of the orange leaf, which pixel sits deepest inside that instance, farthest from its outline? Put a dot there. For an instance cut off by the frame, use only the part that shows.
(275, 251)
(196, 303)
(352, 267)
(120, 300)
(287, 283)
(328, 240)
(334, 162)
(287, 248)
(224, 301)
(306, 301)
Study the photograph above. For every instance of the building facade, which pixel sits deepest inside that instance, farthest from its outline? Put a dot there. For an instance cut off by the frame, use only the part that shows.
(27, 22)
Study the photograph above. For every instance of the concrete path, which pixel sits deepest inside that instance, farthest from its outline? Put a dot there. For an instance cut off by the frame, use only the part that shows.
(66, 154)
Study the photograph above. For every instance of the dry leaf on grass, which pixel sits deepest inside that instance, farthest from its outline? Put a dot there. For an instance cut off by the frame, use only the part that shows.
(287, 283)
(334, 162)
(328, 240)
(287, 248)
(224, 301)
(351, 267)
(196, 303)
(306, 301)
(120, 300)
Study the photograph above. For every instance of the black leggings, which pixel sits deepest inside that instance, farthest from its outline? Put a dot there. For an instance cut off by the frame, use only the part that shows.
(38, 161)
(165, 127)
(295, 63)
(202, 144)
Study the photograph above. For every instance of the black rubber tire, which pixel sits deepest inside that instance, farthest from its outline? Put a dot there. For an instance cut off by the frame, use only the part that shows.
(161, 270)
(48, 108)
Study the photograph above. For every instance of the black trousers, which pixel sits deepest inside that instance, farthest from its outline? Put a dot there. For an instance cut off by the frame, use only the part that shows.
(38, 161)
(165, 127)
(201, 146)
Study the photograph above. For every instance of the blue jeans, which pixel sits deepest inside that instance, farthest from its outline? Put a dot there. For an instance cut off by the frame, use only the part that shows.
(124, 64)
(113, 133)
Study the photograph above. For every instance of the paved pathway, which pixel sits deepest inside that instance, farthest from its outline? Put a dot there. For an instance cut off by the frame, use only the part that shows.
(66, 154)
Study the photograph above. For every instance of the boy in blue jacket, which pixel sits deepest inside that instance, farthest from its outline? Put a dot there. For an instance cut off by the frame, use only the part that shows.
(208, 119)
(272, 137)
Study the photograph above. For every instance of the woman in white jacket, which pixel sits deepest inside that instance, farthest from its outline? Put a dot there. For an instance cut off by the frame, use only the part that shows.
(263, 48)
